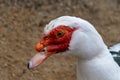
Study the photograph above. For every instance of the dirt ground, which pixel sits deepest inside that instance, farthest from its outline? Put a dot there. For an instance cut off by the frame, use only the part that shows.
(21, 26)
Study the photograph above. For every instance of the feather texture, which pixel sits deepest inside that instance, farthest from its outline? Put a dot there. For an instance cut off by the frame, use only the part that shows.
(115, 51)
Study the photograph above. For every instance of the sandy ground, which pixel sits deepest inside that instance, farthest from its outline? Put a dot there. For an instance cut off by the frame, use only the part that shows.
(21, 26)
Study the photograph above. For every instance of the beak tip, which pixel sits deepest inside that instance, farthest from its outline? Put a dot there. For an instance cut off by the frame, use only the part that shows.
(29, 66)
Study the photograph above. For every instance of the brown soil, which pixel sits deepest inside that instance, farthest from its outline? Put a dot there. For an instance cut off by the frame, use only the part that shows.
(21, 26)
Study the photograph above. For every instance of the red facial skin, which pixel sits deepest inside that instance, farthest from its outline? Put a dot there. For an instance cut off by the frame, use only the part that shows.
(57, 40)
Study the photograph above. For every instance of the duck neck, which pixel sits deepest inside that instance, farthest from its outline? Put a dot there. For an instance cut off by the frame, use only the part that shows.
(98, 68)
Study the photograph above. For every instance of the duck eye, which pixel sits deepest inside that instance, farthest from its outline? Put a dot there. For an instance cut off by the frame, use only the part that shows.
(60, 33)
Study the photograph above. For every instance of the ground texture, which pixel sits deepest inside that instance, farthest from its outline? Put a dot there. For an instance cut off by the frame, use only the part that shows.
(21, 26)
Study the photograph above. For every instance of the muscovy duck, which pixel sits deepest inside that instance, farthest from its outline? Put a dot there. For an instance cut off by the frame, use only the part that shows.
(75, 36)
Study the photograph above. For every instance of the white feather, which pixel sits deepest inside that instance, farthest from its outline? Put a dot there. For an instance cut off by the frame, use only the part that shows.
(115, 48)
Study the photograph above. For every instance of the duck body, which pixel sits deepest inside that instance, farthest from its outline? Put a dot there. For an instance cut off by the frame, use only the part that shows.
(115, 51)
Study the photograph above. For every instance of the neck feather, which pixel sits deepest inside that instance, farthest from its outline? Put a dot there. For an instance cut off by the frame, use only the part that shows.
(101, 67)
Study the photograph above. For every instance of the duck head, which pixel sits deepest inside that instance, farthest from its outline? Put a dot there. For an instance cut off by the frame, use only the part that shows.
(68, 35)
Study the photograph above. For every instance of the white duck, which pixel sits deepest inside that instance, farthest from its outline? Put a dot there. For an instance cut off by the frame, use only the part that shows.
(75, 36)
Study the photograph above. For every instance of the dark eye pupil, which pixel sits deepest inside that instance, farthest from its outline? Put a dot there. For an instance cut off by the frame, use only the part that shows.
(59, 33)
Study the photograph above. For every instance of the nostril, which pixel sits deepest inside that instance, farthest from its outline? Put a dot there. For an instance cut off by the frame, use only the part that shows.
(44, 49)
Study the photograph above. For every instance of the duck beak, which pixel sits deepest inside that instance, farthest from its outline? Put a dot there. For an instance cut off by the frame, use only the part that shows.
(39, 57)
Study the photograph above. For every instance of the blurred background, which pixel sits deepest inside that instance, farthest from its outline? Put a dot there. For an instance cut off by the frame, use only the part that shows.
(21, 27)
